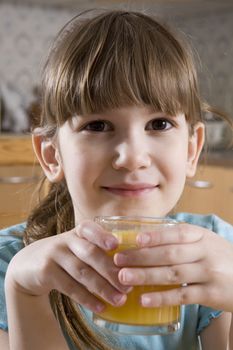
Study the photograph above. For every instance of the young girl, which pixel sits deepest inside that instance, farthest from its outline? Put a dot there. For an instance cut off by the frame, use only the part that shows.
(121, 129)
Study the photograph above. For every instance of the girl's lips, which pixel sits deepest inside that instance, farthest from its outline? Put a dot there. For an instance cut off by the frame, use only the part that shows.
(130, 190)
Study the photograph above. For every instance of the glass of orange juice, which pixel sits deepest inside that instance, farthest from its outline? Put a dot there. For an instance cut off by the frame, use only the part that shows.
(132, 318)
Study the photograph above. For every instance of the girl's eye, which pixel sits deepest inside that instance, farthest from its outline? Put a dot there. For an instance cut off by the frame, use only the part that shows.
(159, 124)
(97, 126)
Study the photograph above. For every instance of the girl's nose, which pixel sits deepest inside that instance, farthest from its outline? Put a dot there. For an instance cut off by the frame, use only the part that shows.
(131, 156)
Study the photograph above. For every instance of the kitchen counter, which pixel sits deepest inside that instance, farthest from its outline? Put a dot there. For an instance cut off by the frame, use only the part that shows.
(16, 149)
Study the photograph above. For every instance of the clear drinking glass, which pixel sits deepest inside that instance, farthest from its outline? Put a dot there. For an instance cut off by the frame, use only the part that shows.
(132, 318)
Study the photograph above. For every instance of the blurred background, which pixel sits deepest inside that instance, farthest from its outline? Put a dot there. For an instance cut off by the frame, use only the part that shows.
(27, 28)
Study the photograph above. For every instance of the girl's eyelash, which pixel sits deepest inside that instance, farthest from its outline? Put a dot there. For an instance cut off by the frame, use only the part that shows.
(98, 125)
(160, 124)
(101, 125)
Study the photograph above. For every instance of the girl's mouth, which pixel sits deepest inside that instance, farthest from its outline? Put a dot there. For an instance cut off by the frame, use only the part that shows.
(127, 190)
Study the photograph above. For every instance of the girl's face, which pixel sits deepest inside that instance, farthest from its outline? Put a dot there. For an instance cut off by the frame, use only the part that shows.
(127, 161)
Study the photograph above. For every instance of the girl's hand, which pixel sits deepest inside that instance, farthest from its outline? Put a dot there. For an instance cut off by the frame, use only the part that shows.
(75, 263)
(179, 255)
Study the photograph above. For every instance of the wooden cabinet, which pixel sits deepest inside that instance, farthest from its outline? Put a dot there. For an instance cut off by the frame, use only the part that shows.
(210, 191)
(20, 174)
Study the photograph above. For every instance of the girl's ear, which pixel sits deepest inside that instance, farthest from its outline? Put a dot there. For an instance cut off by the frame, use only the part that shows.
(196, 142)
(48, 155)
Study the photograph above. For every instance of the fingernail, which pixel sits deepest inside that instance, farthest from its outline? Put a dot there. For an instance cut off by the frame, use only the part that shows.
(118, 299)
(110, 243)
(143, 238)
(99, 307)
(120, 259)
(145, 300)
(127, 276)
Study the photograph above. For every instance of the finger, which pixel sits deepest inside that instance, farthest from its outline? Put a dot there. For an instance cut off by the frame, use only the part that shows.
(170, 234)
(67, 285)
(161, 255)
(191, 294)
(96, 234)
(168, 275)
(202, 294)
(91, 280)
(96, 258)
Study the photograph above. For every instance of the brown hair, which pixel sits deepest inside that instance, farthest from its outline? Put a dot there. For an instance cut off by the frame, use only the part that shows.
(99, 62)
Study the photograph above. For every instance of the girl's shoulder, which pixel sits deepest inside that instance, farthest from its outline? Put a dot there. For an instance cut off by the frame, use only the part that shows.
(211, 222)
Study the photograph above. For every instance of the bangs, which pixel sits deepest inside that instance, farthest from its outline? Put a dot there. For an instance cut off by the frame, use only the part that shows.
(119, 59)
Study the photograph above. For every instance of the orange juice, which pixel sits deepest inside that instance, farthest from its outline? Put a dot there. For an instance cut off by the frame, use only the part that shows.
(132, 313)
(132, 318)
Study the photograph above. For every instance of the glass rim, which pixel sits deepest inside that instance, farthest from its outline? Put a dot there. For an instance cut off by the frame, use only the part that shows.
(137, 218)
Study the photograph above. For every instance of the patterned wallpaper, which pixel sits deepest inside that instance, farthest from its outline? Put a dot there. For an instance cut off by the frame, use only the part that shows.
(212, 38)
(26, 32)
(25, 35)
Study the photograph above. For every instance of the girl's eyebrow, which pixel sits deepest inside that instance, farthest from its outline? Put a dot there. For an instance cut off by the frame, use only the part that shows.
(111, 114)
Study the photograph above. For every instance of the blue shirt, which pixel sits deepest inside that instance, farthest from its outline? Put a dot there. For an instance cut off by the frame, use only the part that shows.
(194, 318)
